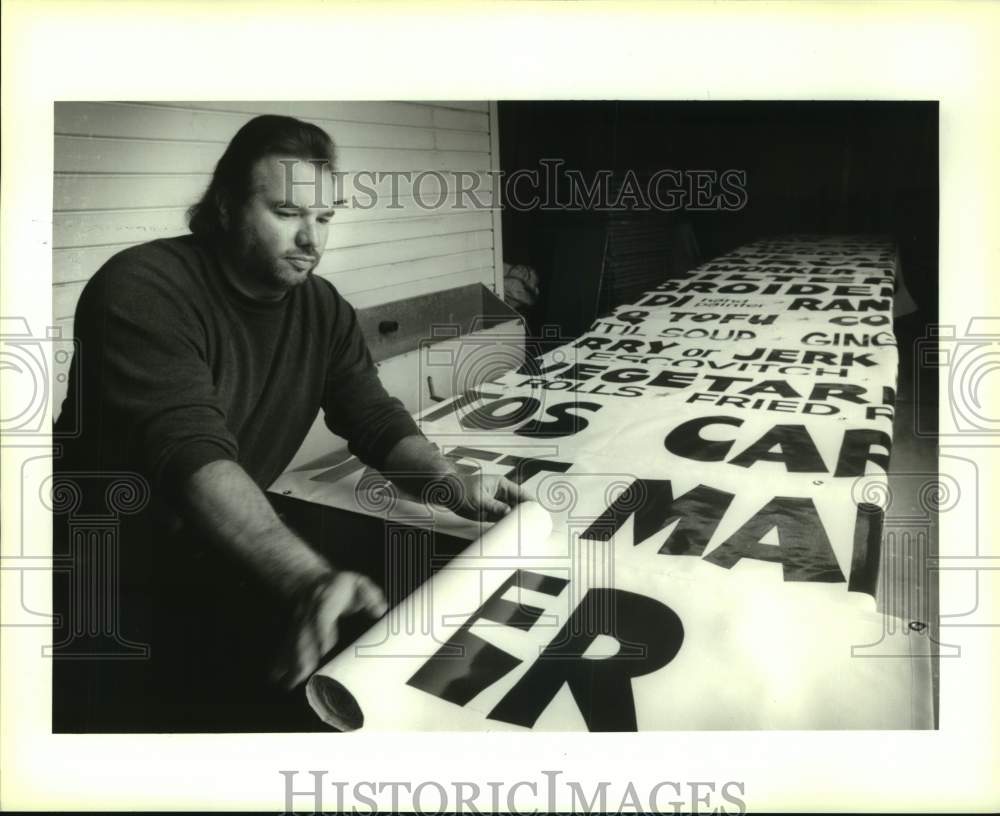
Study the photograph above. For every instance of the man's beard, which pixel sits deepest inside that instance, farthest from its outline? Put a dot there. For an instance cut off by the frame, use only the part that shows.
(258, 265)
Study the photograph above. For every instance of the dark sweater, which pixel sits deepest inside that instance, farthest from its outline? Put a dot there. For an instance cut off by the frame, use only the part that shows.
(176, 369)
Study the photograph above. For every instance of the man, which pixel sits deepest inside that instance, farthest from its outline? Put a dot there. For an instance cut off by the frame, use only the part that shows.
(203, 362)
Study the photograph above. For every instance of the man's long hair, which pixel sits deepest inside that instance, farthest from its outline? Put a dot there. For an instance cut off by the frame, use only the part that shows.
(230, 187)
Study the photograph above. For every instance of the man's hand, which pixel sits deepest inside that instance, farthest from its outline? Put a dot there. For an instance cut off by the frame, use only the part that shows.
(224, 504)
(313, 631)
(417, 467)
(475, 496)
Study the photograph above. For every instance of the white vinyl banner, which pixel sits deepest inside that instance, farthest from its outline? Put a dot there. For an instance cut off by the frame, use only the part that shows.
(707, 467)
(561, 632)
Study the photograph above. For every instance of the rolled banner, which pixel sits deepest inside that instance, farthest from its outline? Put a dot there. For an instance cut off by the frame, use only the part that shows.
(367, 683)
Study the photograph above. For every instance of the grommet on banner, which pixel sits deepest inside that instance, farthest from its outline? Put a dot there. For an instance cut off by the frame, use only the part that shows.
(917, 626)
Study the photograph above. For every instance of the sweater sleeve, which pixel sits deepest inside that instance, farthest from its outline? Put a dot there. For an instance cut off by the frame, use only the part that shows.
(143, 350)
(356, 405)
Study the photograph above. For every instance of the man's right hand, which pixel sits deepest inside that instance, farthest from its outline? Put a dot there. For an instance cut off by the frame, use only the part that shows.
(313, 631)
(226, 506)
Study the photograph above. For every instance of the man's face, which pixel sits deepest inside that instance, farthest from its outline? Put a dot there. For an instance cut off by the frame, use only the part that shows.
(282, 229)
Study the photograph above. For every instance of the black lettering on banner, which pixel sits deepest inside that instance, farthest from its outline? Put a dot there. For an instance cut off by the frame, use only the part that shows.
(840, 304)
(494, 415)
(634, 316)
(854, 320)
(777, 387)
(635, 346)
(462, 452)
(581, 388)
(582, 371)
(804, 549)
(755, 354)
(565, 422)
(844, 391)
(524, 467)
(672, 379)
(867, 548)
(466, 664)
(665, 378)
(878, 339)
(742, 285)
(707, 334)
(594, 343)
(850, 358)
(808, 357)
(820, 409)
(797, 451)
(663, 300)
(879, 412)
(771, 275)
(685, 440)
(623, 376)
(649, 634)
(721, 383)
(697, 513)
(856, 451)
(497, 415)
